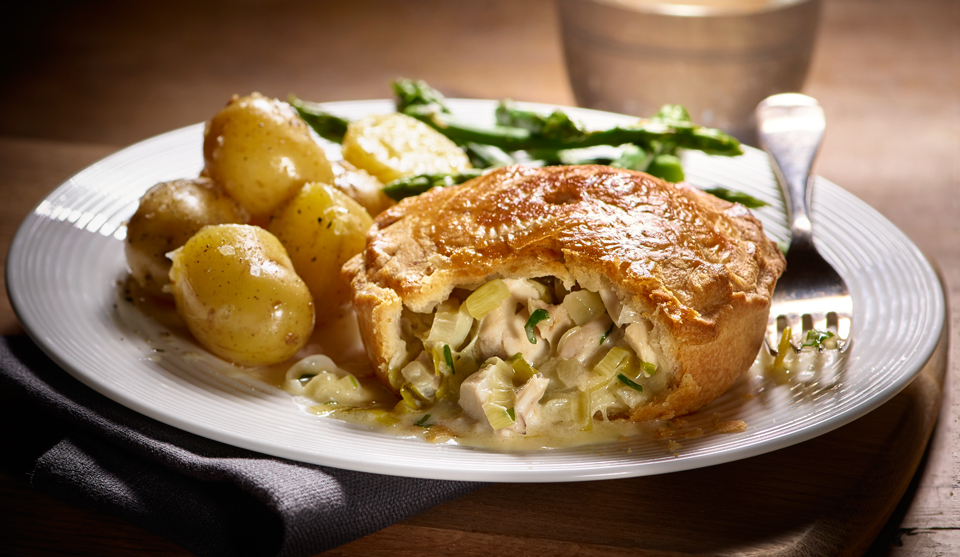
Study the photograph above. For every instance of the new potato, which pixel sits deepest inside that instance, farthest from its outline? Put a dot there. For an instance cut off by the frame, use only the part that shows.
(261, 152)
(322, 228)
(168, 215)
(392, 146)
(237, 292)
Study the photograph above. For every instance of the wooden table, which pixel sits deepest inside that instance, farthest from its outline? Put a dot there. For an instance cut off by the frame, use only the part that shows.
(81, 81)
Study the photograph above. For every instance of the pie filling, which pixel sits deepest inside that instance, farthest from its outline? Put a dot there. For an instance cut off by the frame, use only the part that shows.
(522, 355)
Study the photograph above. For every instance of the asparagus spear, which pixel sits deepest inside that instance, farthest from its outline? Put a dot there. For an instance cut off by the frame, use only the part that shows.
(556, 125)
(328, 126)
(487, 156)
(418, 93)
(415, 185)
(510, 138)
(649, 145)
(521, 130)
(744, 199)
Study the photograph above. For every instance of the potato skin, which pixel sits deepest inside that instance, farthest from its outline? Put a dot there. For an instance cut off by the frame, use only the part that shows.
(361, 187)
(261, 152)
(168, 215)
(392, 146)
(321, 228)
(237, 292)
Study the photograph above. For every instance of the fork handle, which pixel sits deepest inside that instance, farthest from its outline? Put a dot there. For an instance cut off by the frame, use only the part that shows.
(790, 127)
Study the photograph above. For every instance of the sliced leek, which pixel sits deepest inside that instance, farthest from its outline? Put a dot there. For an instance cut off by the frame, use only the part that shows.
(410, 399)
(584, 413)
(545, 293)
(648, 368)
(783, 348)
(451, 324)
(611, 363)
(487, 298)
(383, 416)
(583, 306)
(498, 416)
(522, 370)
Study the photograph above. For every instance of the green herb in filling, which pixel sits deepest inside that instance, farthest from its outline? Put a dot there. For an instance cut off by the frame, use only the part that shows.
(606, 334)
(535, 317)
(628, 382)
(422, 422)
(448, 356)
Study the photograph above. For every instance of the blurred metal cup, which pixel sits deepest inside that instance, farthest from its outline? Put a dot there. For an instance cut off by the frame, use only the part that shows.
(717, 58)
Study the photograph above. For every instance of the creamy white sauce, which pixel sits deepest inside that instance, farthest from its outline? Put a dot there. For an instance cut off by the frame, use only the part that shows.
(540, 425)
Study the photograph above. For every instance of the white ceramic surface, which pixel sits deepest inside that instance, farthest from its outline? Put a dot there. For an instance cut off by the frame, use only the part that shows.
(67, 257)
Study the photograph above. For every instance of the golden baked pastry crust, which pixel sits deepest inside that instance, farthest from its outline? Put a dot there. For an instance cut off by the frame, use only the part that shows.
(699, 268)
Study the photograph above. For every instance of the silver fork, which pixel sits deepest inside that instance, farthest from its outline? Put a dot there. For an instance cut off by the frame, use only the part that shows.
(810, 294)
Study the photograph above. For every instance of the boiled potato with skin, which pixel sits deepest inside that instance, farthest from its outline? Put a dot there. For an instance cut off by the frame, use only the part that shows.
(322, 228)
(168, 215)
(391, 146)
(361, 187)
(261, 152)
(237, 292)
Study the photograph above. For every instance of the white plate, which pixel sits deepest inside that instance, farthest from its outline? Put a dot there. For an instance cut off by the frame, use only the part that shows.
(68, 255)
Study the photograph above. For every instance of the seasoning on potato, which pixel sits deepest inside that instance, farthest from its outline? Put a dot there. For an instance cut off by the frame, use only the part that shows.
(322, 228)
(392, 146)
(261, 152)
(237, 292)
(168, 215)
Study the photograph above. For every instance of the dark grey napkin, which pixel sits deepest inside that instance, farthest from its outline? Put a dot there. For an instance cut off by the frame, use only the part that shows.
(212, 499)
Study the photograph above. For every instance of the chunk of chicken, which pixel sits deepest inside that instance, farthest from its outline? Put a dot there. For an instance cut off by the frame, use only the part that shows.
(526, 408)
(479, 389)
(501, 331)
(582, 343)
(638, 338)
(553, 328)
(618, 312)
(419, 373)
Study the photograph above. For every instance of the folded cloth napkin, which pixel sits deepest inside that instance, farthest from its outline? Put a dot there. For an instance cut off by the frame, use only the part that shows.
(210, 498)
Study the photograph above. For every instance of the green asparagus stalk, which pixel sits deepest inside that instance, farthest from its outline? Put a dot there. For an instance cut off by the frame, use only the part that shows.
(556, 125)
(736, 197)
(328, 126)
(415, 185)
(644, 132)
(650, 145)
(522, 130)
(487, 156)
(418, 93)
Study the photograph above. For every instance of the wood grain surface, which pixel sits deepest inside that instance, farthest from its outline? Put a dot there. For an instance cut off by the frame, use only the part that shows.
(81, 80)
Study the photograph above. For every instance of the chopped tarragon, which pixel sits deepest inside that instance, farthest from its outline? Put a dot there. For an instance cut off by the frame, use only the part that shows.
(422, 422)
(537, 316)
(448, 356)
(606, 334)
(628, 382)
